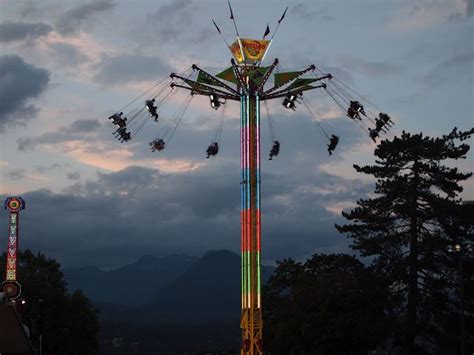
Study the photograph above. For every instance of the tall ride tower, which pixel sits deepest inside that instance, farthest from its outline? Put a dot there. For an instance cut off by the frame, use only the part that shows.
(248, 82)
(10, 286)
(249, 79)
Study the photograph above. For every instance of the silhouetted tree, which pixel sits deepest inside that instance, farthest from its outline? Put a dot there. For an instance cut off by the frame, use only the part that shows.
(408, 227)
(66, 322)
(328, 305)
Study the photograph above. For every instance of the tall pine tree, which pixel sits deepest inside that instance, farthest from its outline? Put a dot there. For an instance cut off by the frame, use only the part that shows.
(407, 230)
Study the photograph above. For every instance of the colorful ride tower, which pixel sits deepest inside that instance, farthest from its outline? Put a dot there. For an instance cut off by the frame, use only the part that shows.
(10, 286)
(249, 79)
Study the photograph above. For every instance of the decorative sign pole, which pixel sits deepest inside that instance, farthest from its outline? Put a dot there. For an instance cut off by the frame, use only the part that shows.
(10, 286)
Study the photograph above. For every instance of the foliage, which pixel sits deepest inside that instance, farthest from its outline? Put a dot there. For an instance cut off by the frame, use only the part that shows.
(66, 322)
(408, 227)
(331, 304)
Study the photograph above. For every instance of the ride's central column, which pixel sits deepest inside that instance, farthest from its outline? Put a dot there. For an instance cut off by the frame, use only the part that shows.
(251, 321)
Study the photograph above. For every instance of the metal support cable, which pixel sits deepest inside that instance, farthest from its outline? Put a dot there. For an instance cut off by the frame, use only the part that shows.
(359, 95)
(180, 117)
(141, 95)
(163, 100)
(341, 87)
(327, 123)
(315, 117)
(331, 95)
(270, 123)
(143, 123)
(341, 91)
(162, 89)
(172, 123)
(220, 127)
(351, 98)
(136, 114)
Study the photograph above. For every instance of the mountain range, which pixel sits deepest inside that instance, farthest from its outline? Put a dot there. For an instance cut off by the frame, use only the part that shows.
(175, 288)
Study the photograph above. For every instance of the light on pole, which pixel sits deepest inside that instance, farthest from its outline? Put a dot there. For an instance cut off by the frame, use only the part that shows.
(460, 250)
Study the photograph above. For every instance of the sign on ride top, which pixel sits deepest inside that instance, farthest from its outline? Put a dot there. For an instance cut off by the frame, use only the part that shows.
(253, 50)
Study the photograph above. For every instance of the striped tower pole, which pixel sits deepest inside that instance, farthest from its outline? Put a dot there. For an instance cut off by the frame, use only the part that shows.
(250, 80)
(251, 319)
(10, 285)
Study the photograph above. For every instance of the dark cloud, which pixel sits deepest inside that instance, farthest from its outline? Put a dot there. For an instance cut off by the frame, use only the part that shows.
(20, 31)
(140, 211)
(467, 12)
(35, 10)
(305, 12)
(170, 19)
(469, 7)
(123, 215)
(67, 54)
(83, 126)
(130, 68)
(19, 82)
(76, 175)
(75, 131)
(452, 69)
(175, 22)
(73, 19)
(17, 174)
(47, 168)
(374, 69)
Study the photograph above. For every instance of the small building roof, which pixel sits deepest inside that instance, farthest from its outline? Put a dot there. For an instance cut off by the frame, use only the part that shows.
(13, 338)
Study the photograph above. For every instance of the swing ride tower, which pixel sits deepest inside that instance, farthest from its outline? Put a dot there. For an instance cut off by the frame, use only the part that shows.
(247, 82)
(251, 318)
(250, 79)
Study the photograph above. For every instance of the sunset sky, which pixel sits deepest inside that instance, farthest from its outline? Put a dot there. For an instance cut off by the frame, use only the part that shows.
(65, 66)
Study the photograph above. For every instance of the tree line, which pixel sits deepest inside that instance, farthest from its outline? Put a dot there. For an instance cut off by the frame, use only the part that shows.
(59, 322)
(410, 290)
(414, 291)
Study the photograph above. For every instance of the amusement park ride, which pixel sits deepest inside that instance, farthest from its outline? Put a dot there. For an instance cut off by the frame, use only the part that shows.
(246, 81)
(10, 286)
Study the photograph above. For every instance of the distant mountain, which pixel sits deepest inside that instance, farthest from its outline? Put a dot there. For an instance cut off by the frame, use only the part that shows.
(173, 289)
(134, 284)
(209, 290)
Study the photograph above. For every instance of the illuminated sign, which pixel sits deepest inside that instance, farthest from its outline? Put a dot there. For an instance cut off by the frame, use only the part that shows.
(10, 286)
(252, 49)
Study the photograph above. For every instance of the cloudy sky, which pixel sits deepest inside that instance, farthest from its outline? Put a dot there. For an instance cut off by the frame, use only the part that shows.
(65, 66)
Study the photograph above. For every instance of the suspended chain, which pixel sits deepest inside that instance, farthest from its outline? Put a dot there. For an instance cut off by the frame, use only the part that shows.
(270, 123)
(176, 121)
(360, 96)
(315, 117)
(142, 94)
(351, 98)
(338, 89)
(141, 117)
(165, 80)
(341, 106)
(136, 115)
(143, 123)
(220, 127)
